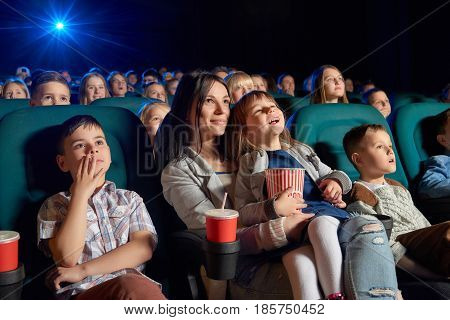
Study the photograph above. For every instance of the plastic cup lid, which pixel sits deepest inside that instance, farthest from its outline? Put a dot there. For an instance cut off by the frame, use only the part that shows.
(8, 236)
(222, 214)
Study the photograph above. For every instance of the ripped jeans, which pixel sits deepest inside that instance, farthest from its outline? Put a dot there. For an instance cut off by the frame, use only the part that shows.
(369, 267)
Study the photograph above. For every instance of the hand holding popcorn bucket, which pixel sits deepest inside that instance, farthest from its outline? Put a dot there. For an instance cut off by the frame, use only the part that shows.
(278, 180)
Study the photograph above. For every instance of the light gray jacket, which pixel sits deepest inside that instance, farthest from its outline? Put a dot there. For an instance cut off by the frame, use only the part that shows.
(192, 187)
(249, 191)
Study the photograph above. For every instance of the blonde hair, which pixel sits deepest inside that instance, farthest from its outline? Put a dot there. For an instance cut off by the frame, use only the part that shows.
(82, 91)
(238, 142)
(238, 80)
(318, 93)
(144, 112)
(19, 82)
(146, 93)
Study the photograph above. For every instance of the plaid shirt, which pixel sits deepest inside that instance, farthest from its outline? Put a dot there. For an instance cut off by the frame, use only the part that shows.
(112, 215)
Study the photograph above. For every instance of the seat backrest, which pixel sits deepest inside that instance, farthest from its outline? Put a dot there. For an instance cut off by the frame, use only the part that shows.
(10, 105)
(413, 132)
(402, 99)
(291, 104)
(131, 103)
(323, 126)
(30, 174)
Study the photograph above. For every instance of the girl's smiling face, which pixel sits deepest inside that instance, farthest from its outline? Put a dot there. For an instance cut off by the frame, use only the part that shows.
(264, 121)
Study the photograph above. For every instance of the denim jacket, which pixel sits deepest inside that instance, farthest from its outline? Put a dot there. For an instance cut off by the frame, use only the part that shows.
(192, 187)
(435, 182)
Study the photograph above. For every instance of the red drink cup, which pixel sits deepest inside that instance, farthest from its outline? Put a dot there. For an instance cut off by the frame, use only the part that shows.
(278, 180)
(9, 250)
(221, 225)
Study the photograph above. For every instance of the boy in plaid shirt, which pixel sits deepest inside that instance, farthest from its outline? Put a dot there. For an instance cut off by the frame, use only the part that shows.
(99, 236)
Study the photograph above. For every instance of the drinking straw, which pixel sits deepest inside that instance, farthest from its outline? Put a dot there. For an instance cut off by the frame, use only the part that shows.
(224, 200)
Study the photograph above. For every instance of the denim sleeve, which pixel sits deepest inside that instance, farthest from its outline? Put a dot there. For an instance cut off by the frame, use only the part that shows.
(435, 182)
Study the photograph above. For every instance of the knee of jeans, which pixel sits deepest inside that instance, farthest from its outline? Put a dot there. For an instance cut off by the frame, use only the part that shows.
(383, 292)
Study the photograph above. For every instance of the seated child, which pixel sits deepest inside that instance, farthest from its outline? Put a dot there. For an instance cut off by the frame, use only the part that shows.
(417, 247)
(378, 99)
(286, 84)
(239, 83)
(49, 88)
(15, 88)
(258, 82)
(117, 84)
(99, 236)
(263, 143)
(152, 114)
(93, 86)
(155, 90)
(435, 182)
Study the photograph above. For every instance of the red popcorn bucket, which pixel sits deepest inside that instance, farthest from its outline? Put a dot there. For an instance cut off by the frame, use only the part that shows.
(221, 225)
(278, 180)
(9, 250)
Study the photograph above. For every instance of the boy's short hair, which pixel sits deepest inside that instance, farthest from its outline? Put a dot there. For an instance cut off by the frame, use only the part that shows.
(353, 137)
(68, 127)
(368, 93)
(45, 77)
(440, 121)
(282, 76)
(150, 72)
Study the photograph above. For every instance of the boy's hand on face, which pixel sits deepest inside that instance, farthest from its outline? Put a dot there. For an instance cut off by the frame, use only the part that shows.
(331, 191)
(286, 205)
(87, 179)
(61, 274)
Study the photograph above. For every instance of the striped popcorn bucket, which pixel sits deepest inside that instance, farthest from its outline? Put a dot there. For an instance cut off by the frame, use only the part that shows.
(278, 180)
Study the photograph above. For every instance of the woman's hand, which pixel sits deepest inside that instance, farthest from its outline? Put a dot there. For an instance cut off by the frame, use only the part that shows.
(294, 224)
(285, 204)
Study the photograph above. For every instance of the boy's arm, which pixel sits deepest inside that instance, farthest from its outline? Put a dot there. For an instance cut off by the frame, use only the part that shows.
(435, 182)
(130, 255)
(68, 243)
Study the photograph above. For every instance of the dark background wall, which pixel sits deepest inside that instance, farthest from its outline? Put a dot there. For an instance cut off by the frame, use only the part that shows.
(265, 35)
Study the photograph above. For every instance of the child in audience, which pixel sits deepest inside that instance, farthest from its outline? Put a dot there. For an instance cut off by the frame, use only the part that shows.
(132, 78)
(23, 72)
(99, 236)
(417, 247)
(171, 86)
(286, 84)
(258, 82)
(378, 99)
(349, 85)
(155, 90)
(93, 86)
(117, 84)
(435, 182)
(328, 86)
(49, 88)
(15, 89)
(239, 83)
(148, 76)
(220, 71)
(263, 142)
(152, 114)
(1, 88)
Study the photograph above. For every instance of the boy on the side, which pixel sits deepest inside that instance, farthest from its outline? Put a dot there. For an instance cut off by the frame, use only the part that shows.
(99, 236)
(435, 182)
(417, 246)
